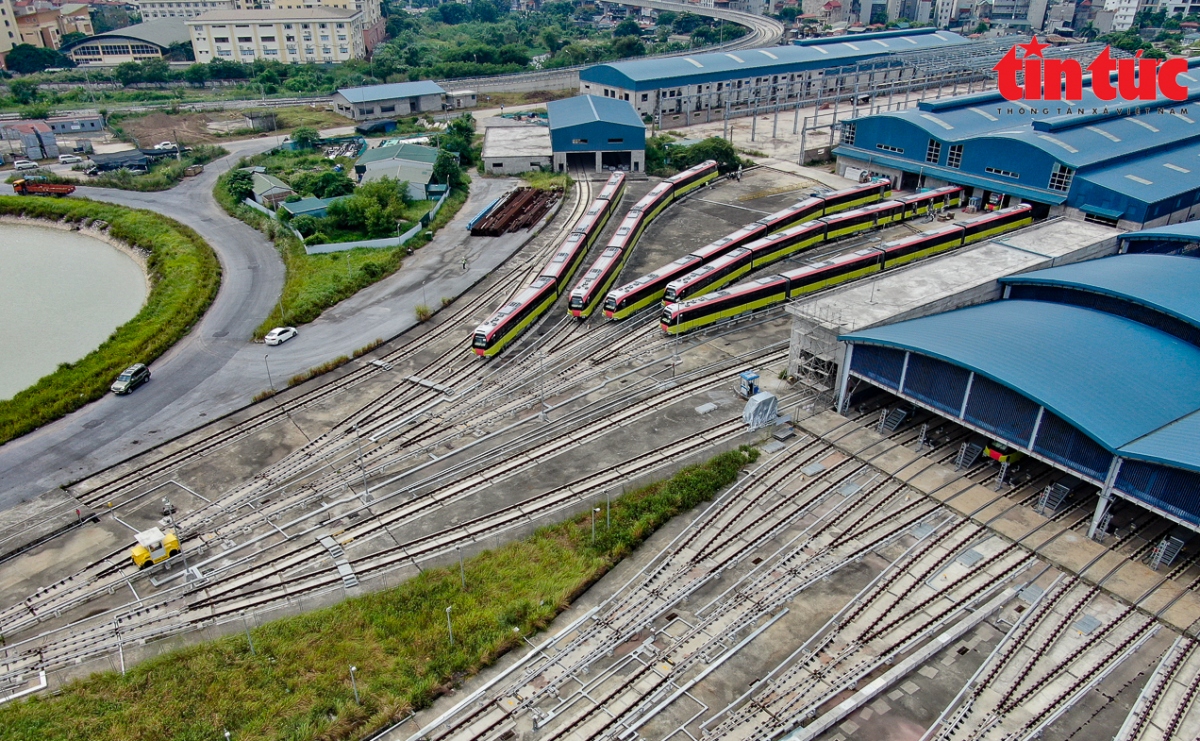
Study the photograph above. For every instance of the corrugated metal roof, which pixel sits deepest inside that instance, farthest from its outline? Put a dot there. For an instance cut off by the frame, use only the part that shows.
(1173, 445)
(161, 33)
(583, 109)
(1167, 283)
(1114, 379)
(960, 177)
(401, 151)
(1188, 231)
(372, 93)
(646, 74)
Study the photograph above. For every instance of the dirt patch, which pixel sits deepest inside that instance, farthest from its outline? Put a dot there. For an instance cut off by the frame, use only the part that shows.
(194, 128)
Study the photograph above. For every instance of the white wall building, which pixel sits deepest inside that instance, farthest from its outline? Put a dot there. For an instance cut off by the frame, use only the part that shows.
(152, 9)
(373, 22)
(1123, 12)
(305, 35)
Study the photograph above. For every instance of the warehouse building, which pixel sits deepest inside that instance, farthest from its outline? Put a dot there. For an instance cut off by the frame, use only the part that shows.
(1176, 239)
(597, 133)
(1131, 165)
(1089, 368)
(511, 150)
(389, 101)
(138, 43)
(680, 85)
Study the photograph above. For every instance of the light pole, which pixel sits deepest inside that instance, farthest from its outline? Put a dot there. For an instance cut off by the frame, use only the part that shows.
(449, 628)
(594, 511)
(226, 734)
(461, 571)
(354, 685)
(424, 301)
(269, 381)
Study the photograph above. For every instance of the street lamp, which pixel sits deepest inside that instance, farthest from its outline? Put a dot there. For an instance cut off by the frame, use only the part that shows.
(354, 685)
(424, 300)
(449, 628)
(269, 381)
(226, 734)
(594, 511)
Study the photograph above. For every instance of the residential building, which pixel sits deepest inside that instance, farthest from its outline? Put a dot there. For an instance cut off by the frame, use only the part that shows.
(269, 190)
(1123, 12)
(43, 25)
(10, 36)
(137, 43)
(418, 175)
(151, 9)
(318, 34)
(389, 101)
(373, 23)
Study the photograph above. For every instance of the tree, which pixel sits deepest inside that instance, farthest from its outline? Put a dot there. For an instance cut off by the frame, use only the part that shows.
(71, 38)
(24, 91)
(514, 54)
(26, 59)
(306, 137)
(128, 73)
(197, 74)
(627, 27)
(332, 184)
(552, 39)
(628, 46)
(666, 17)
(447, 170)
(240, 185)
(155, 70)
(305, 224)
(451, 14)
(686, 22)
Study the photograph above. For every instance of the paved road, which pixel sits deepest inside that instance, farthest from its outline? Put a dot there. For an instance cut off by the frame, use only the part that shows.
(216, 368)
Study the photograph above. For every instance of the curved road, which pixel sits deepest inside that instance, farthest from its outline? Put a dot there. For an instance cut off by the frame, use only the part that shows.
(215, 370)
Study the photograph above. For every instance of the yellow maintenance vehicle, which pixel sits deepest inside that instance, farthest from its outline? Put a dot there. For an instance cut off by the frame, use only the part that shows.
(153, 547)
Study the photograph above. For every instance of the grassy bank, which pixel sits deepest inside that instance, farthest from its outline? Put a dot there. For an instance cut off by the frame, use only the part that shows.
(184, 276)
(297, 685)
(316, 282)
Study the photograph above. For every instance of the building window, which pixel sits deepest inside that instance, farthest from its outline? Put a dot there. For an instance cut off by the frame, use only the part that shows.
(645, 97)
(267, 39)
(387, 109)
(889, 148)
(221, 39)
(1060, 178)
(1002, 173)
(616, 141)
(579, 141)
(954, 156)
(933, 152)
(245, 40)
(849, 131)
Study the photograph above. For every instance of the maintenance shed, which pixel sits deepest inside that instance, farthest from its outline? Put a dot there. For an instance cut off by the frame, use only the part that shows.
(511, 150)
(1176, 239)
(1090, 368)
(1131, 165)
(596, 133)
(389, 101)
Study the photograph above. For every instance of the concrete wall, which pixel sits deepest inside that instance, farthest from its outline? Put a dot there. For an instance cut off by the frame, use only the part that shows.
(515, 165)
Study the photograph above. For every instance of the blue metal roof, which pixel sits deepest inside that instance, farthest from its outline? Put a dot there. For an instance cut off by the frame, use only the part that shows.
(1156, 177)
(372, 93)
(650, 74)
(1188, 231)
(1173, 445)
(1166, 283)
(958, 177)
(584, 109)
(1114, 379)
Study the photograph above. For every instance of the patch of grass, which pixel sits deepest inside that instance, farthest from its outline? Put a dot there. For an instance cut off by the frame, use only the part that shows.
(297, 687)
(318, 370)
(263, 395)
(184, 277)
(162, 176)
(372, 345)
(548, 180)
(313, 283)
(424, 313)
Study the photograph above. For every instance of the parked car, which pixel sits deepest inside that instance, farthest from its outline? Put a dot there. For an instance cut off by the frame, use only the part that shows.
(69, 159)
(133, 376)
(279, 335)
(165, 145)
(25, 165)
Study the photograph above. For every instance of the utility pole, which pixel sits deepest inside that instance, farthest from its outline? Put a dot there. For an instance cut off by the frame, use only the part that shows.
(449, 627)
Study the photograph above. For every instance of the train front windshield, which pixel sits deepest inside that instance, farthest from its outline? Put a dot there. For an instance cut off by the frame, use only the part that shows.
(576, 301)
(480, 340)
(610, 304)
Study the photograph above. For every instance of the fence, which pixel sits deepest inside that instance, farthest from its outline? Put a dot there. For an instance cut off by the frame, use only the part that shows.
(320, 249)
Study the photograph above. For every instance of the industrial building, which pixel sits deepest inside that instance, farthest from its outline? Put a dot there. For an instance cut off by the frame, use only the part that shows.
(510, 150)
(389, 101)
(1130, 165)
(137, 43)
(681, 85)
(1176, 239)
(596, 133)
(1090, 368)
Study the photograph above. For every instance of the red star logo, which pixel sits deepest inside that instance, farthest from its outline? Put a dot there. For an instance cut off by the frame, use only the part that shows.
(1033, 48)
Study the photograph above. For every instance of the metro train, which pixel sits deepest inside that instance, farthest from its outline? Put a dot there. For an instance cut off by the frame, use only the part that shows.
(649, 288)
(507, 323)
(784, 244)
(596, 281)
(678, 318)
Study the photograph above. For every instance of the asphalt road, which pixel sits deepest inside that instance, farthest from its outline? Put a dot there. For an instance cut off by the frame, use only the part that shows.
(216, 368)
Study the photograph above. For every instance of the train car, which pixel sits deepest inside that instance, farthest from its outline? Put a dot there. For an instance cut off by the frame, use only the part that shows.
(861, 219)
(860, 195)
(710, 277)
(595, 282)
(613, 189)
(513, 318)
(827, 273)
(797, 213)
(786, 243)
(646, 290)
(693, 178)
(901, 251)
(997, 222)
(919, 204)
(730, 302)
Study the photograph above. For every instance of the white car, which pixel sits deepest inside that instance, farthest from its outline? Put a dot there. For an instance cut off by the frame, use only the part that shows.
(69, 159)
(280, 335)
(25, 165)
(165, 145)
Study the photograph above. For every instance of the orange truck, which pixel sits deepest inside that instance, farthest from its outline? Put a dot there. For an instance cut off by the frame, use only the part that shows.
(35, 188)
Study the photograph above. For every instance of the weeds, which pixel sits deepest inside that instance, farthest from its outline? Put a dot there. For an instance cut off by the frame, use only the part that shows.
(373, 344)
(184, 277)
(424, 313)
(318, 370)
(263, 395)
(296, 685)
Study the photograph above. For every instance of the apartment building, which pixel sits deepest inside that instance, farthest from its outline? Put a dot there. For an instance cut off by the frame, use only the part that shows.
(373, 23)
(43, 25)
(318, 34)
(10, 35)
(153, 9)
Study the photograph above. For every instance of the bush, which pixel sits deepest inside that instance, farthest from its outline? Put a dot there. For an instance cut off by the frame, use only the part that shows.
(424, 313)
